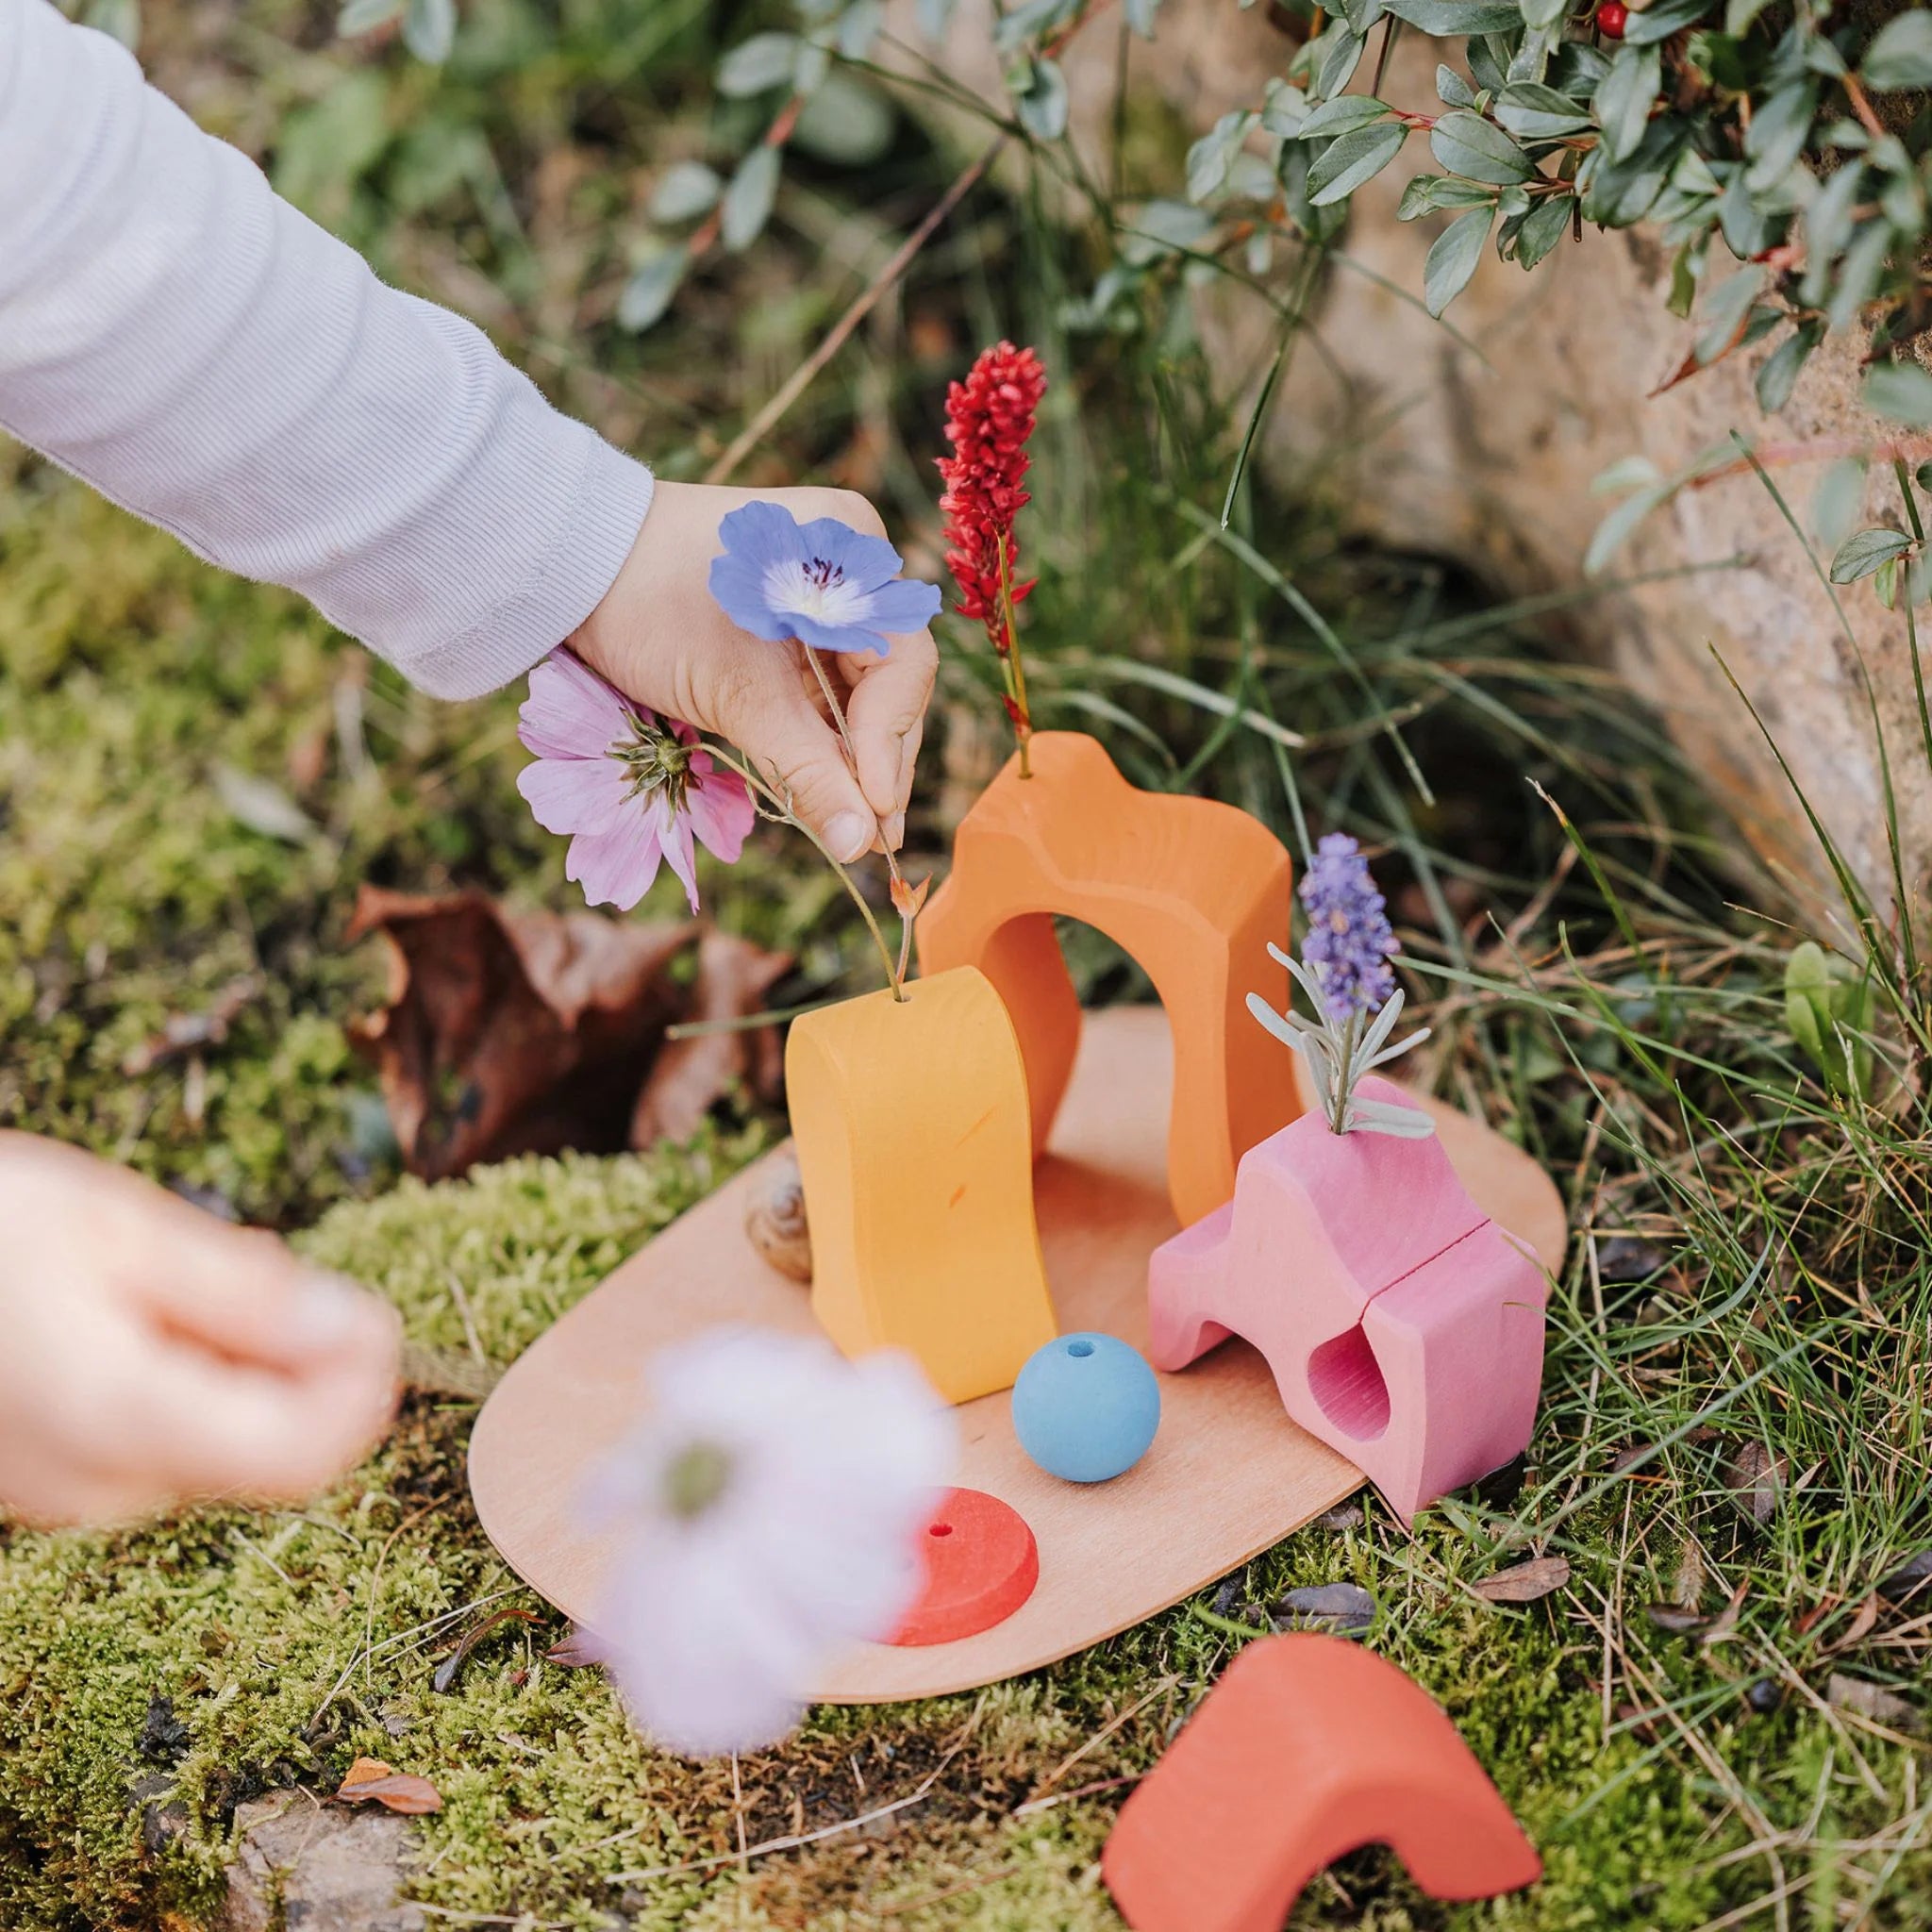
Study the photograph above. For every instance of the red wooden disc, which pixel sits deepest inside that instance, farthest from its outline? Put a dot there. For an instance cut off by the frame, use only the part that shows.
(981, 1564)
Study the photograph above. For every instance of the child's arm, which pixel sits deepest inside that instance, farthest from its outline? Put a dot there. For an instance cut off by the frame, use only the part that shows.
(202, 354)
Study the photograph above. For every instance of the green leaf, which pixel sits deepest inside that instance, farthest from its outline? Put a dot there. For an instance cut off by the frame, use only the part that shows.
(1350, 159)
(847, 122)
(1458, 19)
(649, 291)
(1467, 144)
(1779, 127)
(1360, 14)
(1452, 90)
(1041, 101)
(1828, 227)
(748, 202)
(1827, 1011)
(1725, 309)
(363, 16)
(1738, 15)
(1660, 21)
(1139, 14)
(1860, 556)
(429, 29)
(1532, 111)
(1901, 392)
(1625, 97)
(1284, 108)
(1859, 274)
(1779, 375)
(685, 190)
(1837, 503)
(858, 27)
(1212, 156)
(1339, 59)
(1616, 530)
(1544, 225)
(1342, 114)
(1453, 257)
(1901, 57)
(758, 65)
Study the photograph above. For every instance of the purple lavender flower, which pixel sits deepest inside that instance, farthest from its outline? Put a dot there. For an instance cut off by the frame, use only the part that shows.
(822, 582)
(1349, 939)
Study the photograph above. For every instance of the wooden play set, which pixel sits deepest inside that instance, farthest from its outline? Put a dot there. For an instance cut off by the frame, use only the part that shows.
(1000, 1183)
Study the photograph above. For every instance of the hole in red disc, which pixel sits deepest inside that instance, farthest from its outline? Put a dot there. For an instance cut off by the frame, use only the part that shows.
(940, 1530)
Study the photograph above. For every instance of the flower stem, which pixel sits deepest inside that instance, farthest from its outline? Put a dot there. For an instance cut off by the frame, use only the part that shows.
(780, 808)
(1345, 1078)
(902, 896)
(1012, 667)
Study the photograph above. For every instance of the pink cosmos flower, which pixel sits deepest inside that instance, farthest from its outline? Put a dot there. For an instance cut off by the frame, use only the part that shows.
(633, 788)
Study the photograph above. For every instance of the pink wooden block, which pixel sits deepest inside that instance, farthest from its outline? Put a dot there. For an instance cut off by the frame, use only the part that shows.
(1404, 1327)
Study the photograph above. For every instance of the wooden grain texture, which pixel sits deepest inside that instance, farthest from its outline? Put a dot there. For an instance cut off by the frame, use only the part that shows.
(1194, 890)
(909, 1120)
(1228, 1474)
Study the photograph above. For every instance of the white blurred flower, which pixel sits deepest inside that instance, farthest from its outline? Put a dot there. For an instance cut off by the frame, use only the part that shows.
(772, 1501)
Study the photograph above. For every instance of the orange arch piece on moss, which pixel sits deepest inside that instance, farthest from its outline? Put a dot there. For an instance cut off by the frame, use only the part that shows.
(1308, 1748)
(1192, 888)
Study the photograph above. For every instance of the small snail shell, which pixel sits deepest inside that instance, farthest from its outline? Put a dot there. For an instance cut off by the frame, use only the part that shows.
(775, 1223)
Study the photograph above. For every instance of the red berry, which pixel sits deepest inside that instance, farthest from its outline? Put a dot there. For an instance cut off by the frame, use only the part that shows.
(1612, 16)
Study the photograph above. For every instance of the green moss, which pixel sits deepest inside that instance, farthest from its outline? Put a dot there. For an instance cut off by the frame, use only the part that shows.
(289, 1643)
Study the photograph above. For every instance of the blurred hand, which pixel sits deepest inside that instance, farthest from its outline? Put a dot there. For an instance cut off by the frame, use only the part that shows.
(659, 636)
(150, 1353)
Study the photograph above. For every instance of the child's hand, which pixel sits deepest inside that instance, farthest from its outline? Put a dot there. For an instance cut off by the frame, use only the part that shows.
(658, 636)
(149, 1354)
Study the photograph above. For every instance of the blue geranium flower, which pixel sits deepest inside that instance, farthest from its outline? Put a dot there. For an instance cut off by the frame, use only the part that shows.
(822, 582)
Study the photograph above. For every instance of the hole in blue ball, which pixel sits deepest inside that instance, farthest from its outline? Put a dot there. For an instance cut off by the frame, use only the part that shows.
(1080, 1348)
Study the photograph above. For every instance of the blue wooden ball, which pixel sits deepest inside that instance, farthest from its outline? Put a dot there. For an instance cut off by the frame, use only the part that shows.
(1086, 1408)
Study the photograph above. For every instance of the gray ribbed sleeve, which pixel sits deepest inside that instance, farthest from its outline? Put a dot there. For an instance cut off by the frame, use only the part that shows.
(206, 356)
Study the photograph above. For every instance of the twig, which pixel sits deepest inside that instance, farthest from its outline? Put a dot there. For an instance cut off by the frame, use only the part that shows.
(863, 304)
(1099, 1737)
(793, 1842)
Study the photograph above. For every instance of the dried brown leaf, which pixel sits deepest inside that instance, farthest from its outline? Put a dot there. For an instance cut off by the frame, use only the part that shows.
(446, 1670)
(577, 1652)
(1756, 1479)
(370, 1781)
(527, 1033)
(1872, 1701)
(734, 980)
(1524, 1582)
(1911, 1576)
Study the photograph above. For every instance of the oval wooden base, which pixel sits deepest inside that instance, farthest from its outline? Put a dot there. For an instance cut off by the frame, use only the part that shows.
(1228, 1474)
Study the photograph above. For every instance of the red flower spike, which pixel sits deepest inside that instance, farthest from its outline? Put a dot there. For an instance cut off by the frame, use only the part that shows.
(988, 418)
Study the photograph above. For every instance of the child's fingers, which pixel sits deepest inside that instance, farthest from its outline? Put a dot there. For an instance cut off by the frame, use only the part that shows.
(886, 717)
(206, 1427)
(790, 738)
(242, 1294)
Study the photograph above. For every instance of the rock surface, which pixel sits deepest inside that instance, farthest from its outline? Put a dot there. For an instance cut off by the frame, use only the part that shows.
(1487, 456)
(304, 1866)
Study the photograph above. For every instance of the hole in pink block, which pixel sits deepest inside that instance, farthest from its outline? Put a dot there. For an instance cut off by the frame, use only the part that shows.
(1346, 1379)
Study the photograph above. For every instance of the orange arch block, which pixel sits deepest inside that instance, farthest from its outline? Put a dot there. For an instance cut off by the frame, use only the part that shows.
(1192, 888)
(1308, 1748)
